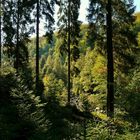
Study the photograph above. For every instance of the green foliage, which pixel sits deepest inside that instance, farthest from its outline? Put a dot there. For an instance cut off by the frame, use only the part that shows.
(124, 39)
(21, 112)
(23, 115)
(16, 13)
(54, 87)
(132, 100)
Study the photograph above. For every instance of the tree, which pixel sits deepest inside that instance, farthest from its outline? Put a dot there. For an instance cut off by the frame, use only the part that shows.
(69, 29)
(69, 53)
(37, 46)
(16, 18)
(44, 9)
(123, 38)
(0, 32)
(17, 35)
(110, 67)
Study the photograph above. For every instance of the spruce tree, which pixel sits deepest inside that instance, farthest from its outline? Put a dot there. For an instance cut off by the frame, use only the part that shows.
(30, 110)
(37, 46)
(69, 52)
(123, 38)
(122, 21)
(69, 29)
(17, 35)
(0, 32)
(110, 62)
(16, 18)
(44, 9)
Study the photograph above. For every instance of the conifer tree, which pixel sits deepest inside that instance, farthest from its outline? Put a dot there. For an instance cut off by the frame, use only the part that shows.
(69, 52)
(110, 67)
(0, 32)
(16, 18)
(44, 9)
(17, 35)
(69, 29)
(122, 21)
(123, 38)
(30, 110)
(37, 46)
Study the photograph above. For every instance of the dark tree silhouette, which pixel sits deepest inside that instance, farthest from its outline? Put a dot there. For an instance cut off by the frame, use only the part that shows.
(17, 36)
(120, 18)
(69, 51)
(69, 31)
(110, 68)
(16, 18)
(44, 9)
(0, 32)
(37, 46)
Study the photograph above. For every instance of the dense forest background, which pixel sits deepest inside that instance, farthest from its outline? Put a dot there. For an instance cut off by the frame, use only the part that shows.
(77, 82)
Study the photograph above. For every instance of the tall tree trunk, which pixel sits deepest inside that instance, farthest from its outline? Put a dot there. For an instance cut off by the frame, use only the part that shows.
(37, 48)
(110, 67)
(17, 35)
(0, 34)
(69, 81)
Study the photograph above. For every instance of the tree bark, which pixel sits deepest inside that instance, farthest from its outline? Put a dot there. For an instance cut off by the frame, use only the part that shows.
(17, 38)
(69, 82)
(37, 48)
(110, 64)
(0, 35)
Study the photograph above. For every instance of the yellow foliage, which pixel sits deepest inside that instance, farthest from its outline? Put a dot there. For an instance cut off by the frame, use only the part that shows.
(100, 115)
(137, 17)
